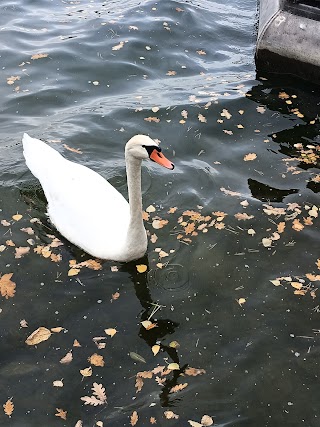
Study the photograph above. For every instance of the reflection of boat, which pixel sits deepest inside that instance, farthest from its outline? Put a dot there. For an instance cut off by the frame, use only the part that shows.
(289, 37)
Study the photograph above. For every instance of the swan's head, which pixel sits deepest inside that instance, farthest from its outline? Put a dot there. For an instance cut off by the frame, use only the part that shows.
(143, 147)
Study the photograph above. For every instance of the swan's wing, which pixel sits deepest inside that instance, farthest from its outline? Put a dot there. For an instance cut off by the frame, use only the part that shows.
(83, 206)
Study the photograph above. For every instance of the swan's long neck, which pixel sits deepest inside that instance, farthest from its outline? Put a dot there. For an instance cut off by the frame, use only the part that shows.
(136, 238)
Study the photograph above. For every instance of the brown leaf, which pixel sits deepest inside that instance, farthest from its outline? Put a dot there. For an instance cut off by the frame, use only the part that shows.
(318, 263)
(229, 192)
(201, 118)
(152, 419)
(74, 150)
(145, 374)
(139, 384)
(115, 296)
(194, 371)
(73, 272)
(96, 360)
(313, 277)
(201, 52)
(159, 223)
(134, 418)
(152, 119)
(67, 358)
(39, 56)
(27, 230)
(99, 391)
(7, 287)
(169, 415)
(297, 225)
(171, 73)
(76, 343)
(281, 226)
(178, 387)
(22, 250)
(148, 325)
(61, 413)
(8, 407)
(39, 335)
(206, 421)
(243, 216)
(250, 156)
(10, 243)
(190, 228)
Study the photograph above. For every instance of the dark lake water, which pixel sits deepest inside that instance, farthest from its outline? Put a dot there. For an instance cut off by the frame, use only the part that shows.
(87, 75)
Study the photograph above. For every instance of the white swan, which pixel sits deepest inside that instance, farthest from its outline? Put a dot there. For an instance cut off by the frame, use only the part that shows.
(87, 209)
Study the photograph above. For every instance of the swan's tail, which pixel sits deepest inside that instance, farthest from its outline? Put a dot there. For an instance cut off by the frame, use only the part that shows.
(40, 158)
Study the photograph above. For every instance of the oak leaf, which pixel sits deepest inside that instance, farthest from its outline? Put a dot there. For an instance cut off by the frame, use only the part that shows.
(178, 387)
(139, 384)
(61, 413)
(8, 407)
(7, 287)
(194, 371)
(134, 418)
(99, 391)
(243, 216)
(91, 400)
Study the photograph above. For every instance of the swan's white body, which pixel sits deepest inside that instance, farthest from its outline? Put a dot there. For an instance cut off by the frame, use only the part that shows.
(87, 209)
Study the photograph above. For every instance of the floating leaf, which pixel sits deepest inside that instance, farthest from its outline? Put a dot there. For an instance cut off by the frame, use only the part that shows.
(134, 418)
(39, 56)
(67, 358)
(16, 217)
(92, 400)
(194, 371)
(148, 325)
(178, 387)
(8, 407)
(7, 287)
(241, 301)
(110, 331)
(169, 415)
(206, 421)
(174, 344)
(86, 372)
(39, 335)
(194, 423)
(173, 367)
(57, 329)
(61, 413)
(57, 383)
(96, 360)
(141, 268)
(137, 357)
(73, 272)
(155, 349)
(249, 157)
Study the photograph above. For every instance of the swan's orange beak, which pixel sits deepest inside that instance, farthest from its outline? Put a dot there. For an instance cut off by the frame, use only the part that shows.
(159, 158)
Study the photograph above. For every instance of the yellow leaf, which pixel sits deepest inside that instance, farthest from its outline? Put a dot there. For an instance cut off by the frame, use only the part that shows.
(155, 349)
(8, 407)
(110, 331)
(39, 335)
(86, 372)
(241, 301)
(296, 285)
(174, 344)
(141, 268)
(16, 217)
(73, 271)
(173, 367)
(148, 325)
